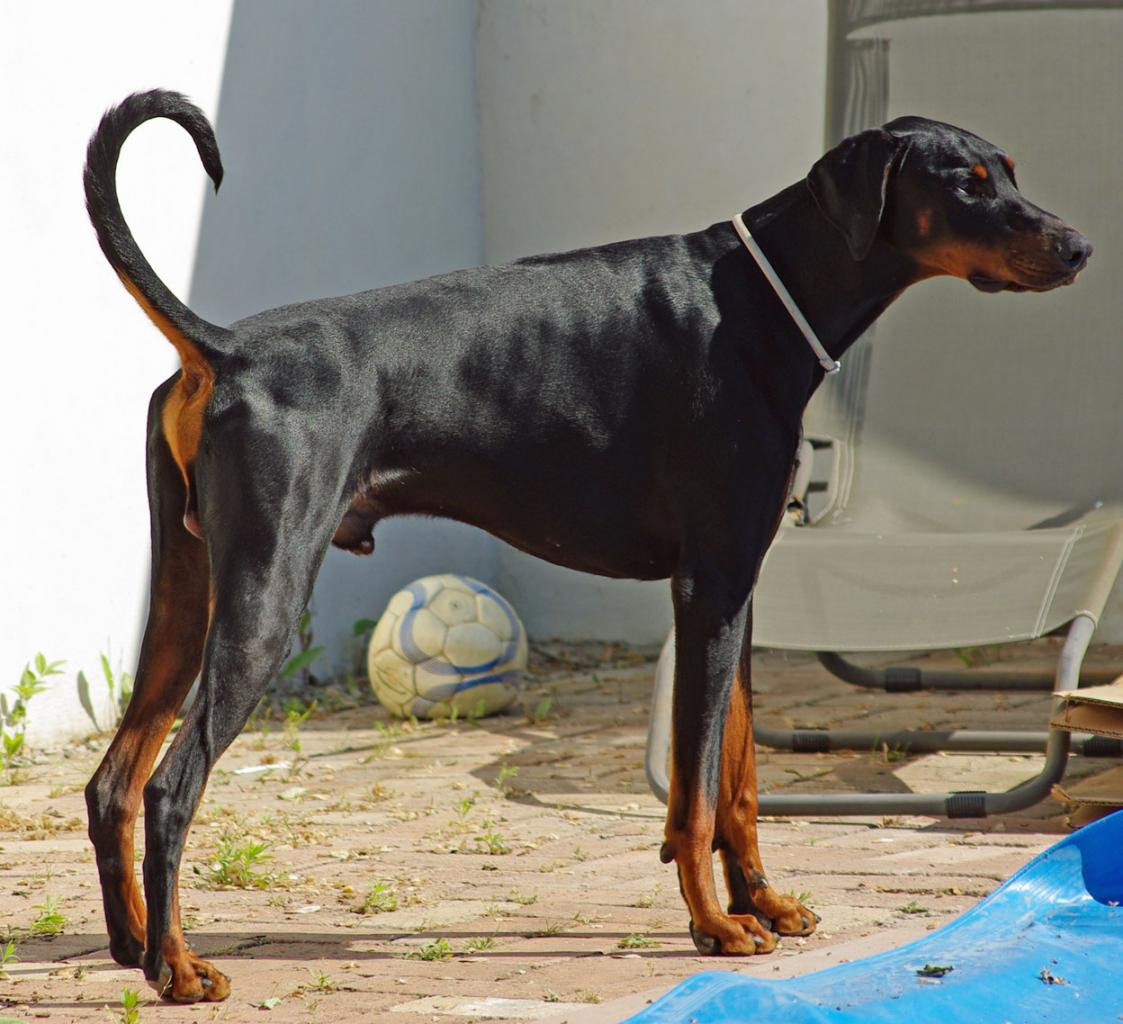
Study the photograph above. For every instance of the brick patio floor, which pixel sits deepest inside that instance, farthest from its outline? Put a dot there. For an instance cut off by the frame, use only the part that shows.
(526, 849)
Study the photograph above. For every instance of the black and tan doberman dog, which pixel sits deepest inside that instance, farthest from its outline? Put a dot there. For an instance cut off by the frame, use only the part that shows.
(631, 410)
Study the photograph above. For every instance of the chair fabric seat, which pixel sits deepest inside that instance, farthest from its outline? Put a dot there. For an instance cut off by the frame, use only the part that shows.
(824, 589)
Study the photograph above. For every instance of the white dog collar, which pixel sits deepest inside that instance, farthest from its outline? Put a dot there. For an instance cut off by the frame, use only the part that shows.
(825, 361)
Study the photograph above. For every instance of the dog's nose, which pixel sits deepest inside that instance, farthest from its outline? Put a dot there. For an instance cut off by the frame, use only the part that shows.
(1074, 250)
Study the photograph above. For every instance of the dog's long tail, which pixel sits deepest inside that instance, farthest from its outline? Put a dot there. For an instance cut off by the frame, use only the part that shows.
(200, 344)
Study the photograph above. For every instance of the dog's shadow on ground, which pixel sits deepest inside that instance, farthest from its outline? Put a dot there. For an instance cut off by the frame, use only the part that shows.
(44, 956)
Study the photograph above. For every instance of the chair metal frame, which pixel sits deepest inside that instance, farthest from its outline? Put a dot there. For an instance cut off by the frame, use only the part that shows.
(1056, 743)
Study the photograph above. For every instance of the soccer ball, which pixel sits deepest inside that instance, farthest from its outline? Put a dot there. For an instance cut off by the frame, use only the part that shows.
(447, 644)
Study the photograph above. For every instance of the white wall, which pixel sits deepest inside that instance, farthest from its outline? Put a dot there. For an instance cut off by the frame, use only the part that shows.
(80, 360)
(617, 120)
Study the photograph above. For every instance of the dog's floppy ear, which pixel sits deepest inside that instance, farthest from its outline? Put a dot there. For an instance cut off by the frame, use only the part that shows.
(849, 182)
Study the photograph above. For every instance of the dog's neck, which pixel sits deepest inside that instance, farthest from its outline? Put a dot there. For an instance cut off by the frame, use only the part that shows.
(839, 296)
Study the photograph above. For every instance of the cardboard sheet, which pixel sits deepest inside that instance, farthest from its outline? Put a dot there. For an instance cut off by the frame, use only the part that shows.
(1095, 709)
(1086, 800)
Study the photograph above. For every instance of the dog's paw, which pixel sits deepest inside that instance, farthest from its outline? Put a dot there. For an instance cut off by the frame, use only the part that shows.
(193, 980)
(790, 917)
(733, 935)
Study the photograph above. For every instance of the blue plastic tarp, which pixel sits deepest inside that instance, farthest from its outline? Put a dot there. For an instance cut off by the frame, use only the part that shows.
(1047, 945)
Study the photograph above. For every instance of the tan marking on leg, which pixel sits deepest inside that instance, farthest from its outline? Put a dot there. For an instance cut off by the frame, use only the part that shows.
(736, 816)
(170, 660)
(691, 845)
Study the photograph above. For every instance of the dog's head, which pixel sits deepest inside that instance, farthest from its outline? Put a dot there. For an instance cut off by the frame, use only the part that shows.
(949, 201)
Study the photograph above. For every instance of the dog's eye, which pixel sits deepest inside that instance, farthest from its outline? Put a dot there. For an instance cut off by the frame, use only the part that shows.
(970, 184)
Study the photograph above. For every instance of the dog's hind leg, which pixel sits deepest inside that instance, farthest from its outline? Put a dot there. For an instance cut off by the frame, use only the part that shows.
(170, 656)
(749, 891)
(268, 523)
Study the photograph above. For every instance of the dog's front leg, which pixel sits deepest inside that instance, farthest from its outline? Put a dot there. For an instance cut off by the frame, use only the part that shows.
(738, 802)
(710, 616)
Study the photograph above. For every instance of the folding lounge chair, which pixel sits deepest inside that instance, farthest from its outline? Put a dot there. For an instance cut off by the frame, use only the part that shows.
(903, 555)
(963, 477)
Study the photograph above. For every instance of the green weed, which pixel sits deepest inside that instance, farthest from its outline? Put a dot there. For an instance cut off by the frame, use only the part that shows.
(235, 865)
(296, 714)
(362, 628)
(506, 773)
(464, 806)
(13, 714)
(891, 754)
(302, 661)
(120, 686)
(540, 712)
(491, 843)
(51, 921)
(130, 1011)
(380, 900)
(976, 657)
(7, 956)
(438, 949)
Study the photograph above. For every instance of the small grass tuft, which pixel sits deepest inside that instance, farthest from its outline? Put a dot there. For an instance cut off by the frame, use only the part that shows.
(438, 949)
(891, 754)
(506, 771)
(51, 921)
(465, 805)
(491, 843)
(13, 715)
(7, 956)
(130, 1009)
(637, 941)
(120, 686)
(380, 900)
(540, 712)
(235, 865)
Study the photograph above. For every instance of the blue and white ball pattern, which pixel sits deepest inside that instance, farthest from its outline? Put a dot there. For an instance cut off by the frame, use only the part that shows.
(447, 643)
